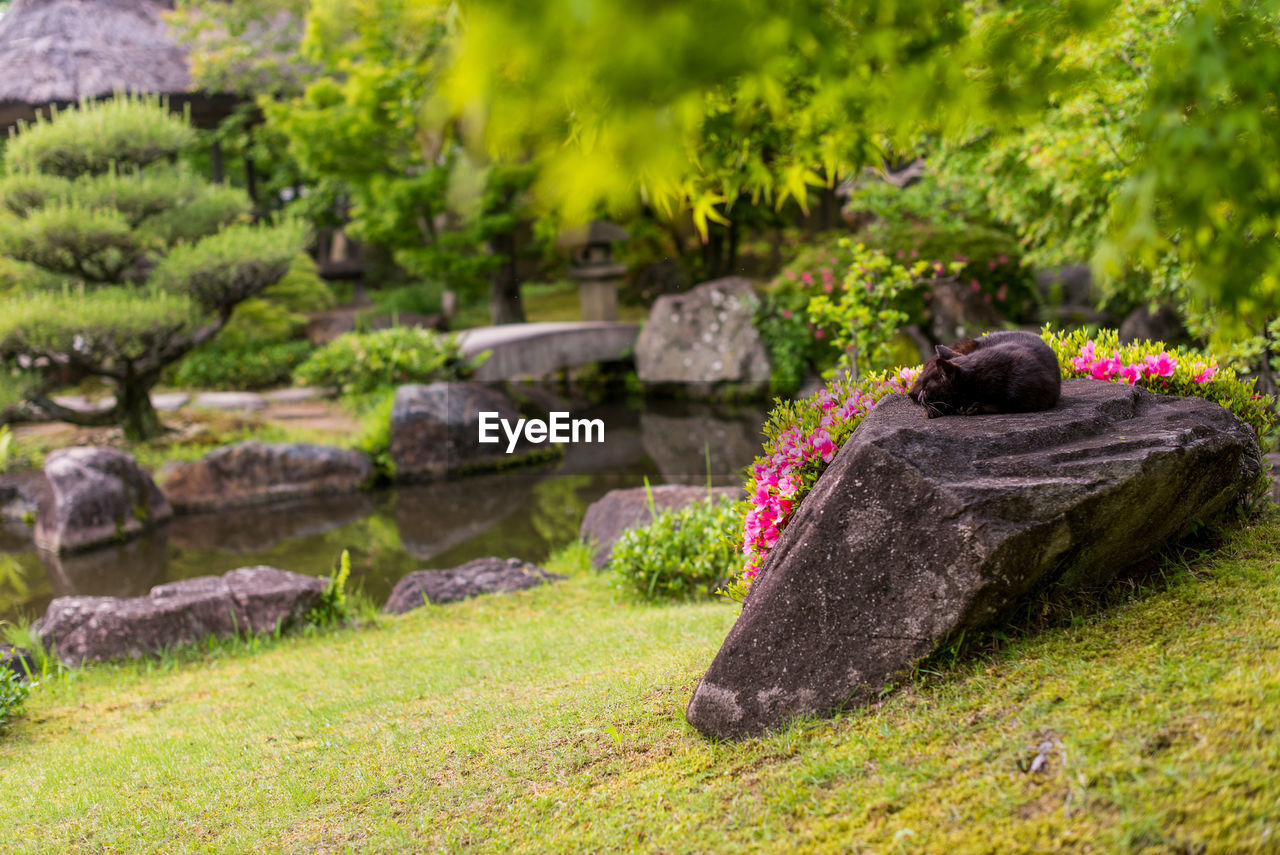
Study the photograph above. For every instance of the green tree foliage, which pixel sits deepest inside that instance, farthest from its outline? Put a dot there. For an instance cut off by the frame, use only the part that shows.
(354, 127)
(695, 105)
(139, 260)
(1204, 189)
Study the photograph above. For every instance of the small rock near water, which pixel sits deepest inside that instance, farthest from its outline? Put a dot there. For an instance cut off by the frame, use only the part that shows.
(253, 473)
(924, 528)
(435, 430)
(619, 510)
(704, 341)
(250, 599)
(481, 576)
(96, 496)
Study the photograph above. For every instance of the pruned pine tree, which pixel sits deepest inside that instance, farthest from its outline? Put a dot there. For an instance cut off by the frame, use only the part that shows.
(126, 260)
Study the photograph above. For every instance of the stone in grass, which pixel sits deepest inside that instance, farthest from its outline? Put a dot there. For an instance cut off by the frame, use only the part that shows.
(96, 496)
(18, 660)
(254, 473)
(619, 510)
(923, 528)
(481, 576)
(435, 430)
(250, 599)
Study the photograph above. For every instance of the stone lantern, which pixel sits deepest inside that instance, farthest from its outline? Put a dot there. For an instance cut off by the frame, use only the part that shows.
(597, 273)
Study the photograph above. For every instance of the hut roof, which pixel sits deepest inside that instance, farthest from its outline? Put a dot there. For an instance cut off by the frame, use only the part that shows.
(60, 51)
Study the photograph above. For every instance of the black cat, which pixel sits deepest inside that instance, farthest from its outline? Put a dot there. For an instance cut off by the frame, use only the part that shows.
(1001, 372)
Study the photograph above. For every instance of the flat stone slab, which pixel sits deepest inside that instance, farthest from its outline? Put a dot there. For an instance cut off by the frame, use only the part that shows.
(255, 473)
(481, 576)
(167, 402)
(923, 528)
(250, 599)
(231, 401)
(295, 394)
(619, 510)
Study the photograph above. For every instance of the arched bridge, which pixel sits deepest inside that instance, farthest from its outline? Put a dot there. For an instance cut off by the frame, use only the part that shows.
(543, 349)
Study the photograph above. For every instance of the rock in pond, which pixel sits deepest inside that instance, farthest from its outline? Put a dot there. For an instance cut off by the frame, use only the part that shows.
(250, 599)
(481, 576)
(435, 430)
(705, 341)
(254, 473)
(921, 528)
(618, 510)
(96, 496)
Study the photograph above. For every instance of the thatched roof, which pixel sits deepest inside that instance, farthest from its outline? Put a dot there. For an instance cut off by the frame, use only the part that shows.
(59, 51)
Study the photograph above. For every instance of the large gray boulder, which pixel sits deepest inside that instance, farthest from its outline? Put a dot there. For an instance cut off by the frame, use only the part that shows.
(435, 430)
(705, 341)
(96, 496)
(255, 473)
(618, 510)
(250, 599)
(481, 576)
(921, 529)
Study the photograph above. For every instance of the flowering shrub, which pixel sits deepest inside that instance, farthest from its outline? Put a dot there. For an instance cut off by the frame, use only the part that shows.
(803, 437)
(811, 315)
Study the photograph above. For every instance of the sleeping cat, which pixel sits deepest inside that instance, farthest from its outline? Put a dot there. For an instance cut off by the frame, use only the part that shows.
(1002, 372)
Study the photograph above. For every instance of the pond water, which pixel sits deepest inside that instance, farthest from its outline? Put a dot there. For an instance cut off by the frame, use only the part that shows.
(526, 513)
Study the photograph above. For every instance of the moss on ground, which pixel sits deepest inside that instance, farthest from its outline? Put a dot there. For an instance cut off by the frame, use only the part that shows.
(552, 720)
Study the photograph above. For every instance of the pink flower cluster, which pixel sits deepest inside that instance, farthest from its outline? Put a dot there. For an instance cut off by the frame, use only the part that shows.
(780, 479)
(1112, 368)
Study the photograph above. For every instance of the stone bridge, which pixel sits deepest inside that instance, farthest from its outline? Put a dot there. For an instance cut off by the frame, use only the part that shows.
(542, 349)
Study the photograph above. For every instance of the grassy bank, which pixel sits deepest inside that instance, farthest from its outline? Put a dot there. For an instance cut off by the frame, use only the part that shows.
(551, 720)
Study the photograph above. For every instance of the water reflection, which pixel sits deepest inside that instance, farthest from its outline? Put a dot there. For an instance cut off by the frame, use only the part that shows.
(525, 513)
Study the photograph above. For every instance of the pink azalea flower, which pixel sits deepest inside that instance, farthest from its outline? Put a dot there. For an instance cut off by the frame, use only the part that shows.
(975, 286)
(1104, 369)
(818, 334)
(1002, 293)
(1130, 373)
(807, 278)
(786, 313)
(827, 287)
(1161, 365)
(1207, 374)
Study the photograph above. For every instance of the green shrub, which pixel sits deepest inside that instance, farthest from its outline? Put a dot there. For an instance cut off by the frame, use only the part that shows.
(359, 363)
(419, 299)
(333, 609)
(686, 552)
(375, 433)
(100, 135)
(216, 367)
(13, 694)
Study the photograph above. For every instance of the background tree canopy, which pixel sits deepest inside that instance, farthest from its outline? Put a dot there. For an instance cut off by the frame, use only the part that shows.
(1134, 131)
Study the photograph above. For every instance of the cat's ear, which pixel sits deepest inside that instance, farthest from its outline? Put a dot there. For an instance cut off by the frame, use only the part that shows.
(944, 352)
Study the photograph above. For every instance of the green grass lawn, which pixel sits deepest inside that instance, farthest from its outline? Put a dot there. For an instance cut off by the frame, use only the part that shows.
(552, 720)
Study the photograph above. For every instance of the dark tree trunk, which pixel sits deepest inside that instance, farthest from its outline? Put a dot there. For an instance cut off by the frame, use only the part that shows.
(137, 415)
(504, 297)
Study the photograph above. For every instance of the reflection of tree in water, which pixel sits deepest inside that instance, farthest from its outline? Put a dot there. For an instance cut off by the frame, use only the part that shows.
(557, 509)
(17, 572)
